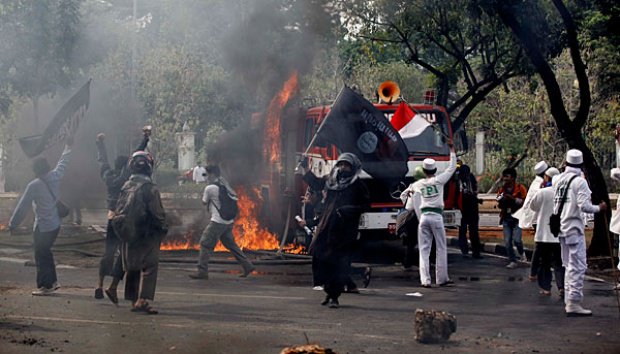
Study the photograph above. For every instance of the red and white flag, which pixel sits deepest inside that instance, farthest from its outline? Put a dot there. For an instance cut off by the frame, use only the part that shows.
(408, 123)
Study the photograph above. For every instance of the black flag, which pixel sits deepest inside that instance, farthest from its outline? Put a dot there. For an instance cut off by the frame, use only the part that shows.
(354, 125)
(64, 123)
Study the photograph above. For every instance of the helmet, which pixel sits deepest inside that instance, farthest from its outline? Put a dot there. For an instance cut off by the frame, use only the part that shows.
(419, 172)
(141, 162)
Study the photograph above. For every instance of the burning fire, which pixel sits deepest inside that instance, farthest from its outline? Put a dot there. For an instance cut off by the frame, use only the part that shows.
(274, 114)
(248, 232)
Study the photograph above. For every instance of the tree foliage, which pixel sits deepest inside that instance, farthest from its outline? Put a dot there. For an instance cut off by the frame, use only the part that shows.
(452, 40)
(37, 43)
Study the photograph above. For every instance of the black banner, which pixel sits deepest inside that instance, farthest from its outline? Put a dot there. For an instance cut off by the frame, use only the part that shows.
(354, 125)
(64, 124)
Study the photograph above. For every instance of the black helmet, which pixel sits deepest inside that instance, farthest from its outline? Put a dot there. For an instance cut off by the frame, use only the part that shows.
(141, 162)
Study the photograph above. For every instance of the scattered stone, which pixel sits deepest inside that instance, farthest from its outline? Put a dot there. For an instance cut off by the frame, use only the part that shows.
(433, 326)
(307, 349)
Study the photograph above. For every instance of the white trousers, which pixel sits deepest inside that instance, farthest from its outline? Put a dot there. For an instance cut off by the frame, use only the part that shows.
(574, 260)
(431, 226)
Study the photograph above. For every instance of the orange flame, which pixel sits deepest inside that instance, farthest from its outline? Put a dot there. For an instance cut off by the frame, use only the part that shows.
(247, 231)
(274, 115)
(187, 243)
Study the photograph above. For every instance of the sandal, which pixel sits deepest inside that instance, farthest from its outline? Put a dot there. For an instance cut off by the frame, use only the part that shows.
(145, 307)
(111, 294)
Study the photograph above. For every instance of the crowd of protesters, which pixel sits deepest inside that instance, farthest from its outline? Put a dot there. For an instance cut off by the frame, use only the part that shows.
(558, 257)
(332, 211)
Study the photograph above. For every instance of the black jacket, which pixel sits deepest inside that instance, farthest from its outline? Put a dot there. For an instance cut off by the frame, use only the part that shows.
(338, 226)
(114, 179)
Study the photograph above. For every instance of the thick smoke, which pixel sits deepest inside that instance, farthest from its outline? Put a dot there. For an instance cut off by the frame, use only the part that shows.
(263, 65)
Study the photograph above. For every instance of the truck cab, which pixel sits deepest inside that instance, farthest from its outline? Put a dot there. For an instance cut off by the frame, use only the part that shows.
(380, 221)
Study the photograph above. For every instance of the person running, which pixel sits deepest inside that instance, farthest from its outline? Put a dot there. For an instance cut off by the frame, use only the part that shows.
(219, 229)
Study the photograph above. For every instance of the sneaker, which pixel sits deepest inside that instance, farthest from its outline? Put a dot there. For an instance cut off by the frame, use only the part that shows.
(199, 275)
(574, 309)
(42, 291)
(427, 286)
(318, 288)
(512, 265)
(523, 257)
(247, 272)
(55, 286)
(98, 293)
(333, 304)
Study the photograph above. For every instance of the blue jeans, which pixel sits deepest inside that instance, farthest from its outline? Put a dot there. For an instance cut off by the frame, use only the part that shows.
(512, 233)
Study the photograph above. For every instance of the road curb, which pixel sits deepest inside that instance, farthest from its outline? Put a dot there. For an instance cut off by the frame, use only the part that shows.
(488, 247)
(29, 263)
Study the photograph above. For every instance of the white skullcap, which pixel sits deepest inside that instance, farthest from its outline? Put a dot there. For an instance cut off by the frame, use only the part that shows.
(428, 164)
(574, 157)
(541, 167)
(552, 171)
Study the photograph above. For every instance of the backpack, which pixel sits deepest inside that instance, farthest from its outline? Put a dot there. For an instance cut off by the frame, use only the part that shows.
(228, 203)
(130, 212)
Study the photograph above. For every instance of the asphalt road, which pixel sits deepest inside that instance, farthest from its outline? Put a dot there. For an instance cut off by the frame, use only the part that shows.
(497, 310)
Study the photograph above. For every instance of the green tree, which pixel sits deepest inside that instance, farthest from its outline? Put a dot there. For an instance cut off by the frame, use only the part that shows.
(38, 38)
(452, 40)
(521, 19)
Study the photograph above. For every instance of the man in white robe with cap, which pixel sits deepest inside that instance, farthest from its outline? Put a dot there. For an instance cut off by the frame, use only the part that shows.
(527, 216)
(427, 194)
(572, 228)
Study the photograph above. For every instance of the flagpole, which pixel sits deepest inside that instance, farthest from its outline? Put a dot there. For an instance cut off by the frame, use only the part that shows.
(320, 127)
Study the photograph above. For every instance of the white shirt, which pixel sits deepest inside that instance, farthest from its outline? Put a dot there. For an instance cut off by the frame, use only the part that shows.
(578, 200)
(211, 198)
(526, 215)
(198, 174)
(429, 191)
(542, 205)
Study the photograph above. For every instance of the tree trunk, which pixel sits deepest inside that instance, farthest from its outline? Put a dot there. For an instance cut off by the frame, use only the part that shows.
(570, 130)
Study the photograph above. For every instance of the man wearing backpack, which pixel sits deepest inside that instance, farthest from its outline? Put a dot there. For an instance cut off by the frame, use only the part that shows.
(220, 199)
(571, 190)
(140, 222)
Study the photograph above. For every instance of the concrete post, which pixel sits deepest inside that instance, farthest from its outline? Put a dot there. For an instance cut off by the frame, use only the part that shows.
(2, 179)
(186, 148)
(479, 152)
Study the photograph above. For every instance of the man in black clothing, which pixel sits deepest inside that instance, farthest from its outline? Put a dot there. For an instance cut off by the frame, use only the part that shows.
(114, 179)
(347, 198)
(468, 203)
